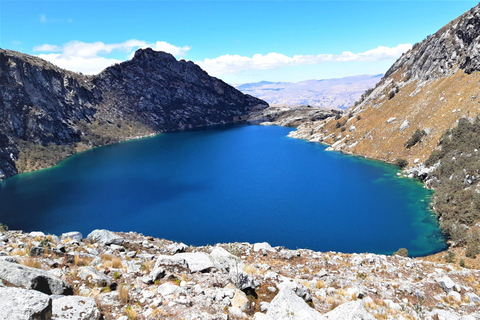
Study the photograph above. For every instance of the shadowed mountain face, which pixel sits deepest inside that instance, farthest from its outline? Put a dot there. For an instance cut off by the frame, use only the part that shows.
(48, 113)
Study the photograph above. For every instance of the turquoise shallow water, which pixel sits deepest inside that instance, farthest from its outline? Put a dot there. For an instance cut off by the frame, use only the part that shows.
(227, 184)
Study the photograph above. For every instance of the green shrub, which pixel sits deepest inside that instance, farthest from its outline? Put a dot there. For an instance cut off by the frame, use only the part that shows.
(473, 246)
(449, 257)
(402, 163)
(3, 227)
(462, 263)
(454, 180)
(415, 138)
(401, 252)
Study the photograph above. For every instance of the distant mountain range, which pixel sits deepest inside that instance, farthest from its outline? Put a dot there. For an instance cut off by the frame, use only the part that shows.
(338, 93)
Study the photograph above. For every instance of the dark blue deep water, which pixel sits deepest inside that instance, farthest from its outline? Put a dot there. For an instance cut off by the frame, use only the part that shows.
(241, 183)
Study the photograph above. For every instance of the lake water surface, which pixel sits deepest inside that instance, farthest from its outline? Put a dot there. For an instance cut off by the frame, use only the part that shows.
(228, 184)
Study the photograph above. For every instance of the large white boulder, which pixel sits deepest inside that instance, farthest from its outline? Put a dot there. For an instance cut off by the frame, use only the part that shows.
(287, 305)
(263, 245)
(94, 276)
(74, 235)
(354, 310)
(21, 304)
(31, 278)
(196, 262)
(104, 237)
(75, 308)
(224, 260)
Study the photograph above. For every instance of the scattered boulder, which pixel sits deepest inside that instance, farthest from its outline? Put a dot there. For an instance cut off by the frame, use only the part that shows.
(92, 275)
(404, 125)
(104, 237)
(177, 247)
(75, 308)
(354, 310)
(21, 304)
(446, 284)
(222, 259)
(74, 235)
(167, 289)
(37, 251)
(156, 273)
(263, 245)
(241, 279)
(472, 297)
(240, 301)
(287, 305)
(31, 278)
(299, 289)
(164, 260)
(196, 262)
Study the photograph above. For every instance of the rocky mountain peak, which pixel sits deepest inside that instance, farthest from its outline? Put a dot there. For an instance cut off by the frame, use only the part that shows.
(429, 88)
(153, 55)
(453, 47)
(48, 113)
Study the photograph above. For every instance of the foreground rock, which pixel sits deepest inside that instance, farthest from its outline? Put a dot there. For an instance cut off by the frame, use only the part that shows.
(75, 308)
(150, 278)
(31, 278)
(21, 304)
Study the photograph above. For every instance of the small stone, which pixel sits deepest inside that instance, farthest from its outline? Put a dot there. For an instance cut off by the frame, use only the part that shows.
(240, 301)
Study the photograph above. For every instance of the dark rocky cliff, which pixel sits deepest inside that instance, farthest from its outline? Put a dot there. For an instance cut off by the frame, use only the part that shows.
(48, 113)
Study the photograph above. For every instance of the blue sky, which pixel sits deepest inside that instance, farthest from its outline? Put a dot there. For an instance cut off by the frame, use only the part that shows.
(237, 41)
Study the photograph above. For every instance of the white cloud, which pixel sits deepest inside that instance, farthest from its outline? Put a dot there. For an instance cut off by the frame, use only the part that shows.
(90, 58)
(47, 48)
(232, 64)
(44, 19)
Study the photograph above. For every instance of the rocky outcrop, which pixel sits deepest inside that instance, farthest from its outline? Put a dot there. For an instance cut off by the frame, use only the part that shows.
(429, 88)
(291, 116)
(47, 113)
(144, 279)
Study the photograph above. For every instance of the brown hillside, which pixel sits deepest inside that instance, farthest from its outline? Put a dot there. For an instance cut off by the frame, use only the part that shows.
(429, 88)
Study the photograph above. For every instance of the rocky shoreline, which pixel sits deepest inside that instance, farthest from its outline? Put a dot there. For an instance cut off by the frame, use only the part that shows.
(127, 276)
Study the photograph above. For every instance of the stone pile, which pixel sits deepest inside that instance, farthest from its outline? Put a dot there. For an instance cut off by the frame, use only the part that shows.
(130, 276)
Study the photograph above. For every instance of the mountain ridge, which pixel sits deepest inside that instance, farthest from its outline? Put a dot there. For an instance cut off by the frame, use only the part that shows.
(326, 93)
(49, 113)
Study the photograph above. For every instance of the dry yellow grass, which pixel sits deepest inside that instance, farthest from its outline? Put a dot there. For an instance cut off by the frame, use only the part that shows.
(123, 293)
(131, 313)
(31, 262)
(320, 284)
(431, 108)
(19, 252)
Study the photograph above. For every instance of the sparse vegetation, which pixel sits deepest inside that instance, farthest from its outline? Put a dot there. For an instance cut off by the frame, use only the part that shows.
(449, 257)
(36, 156)
(401, 252)
(401, 163)
(3, 227)
(456, 201)
(415, 138)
